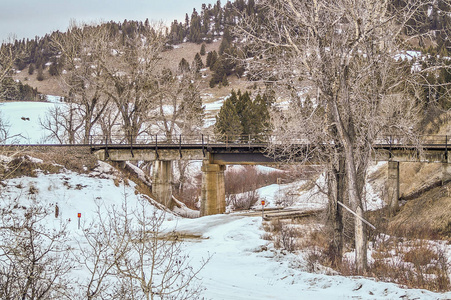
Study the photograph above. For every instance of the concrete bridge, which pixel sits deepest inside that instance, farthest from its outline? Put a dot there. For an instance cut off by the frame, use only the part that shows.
(215, 154)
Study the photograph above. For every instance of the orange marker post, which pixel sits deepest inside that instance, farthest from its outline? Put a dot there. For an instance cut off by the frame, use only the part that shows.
(79, 217)
(263, 205)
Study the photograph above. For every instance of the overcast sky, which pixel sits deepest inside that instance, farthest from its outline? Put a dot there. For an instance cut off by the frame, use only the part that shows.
(30, 18)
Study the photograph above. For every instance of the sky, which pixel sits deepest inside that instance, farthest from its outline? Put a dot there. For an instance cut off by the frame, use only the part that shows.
(30, 18)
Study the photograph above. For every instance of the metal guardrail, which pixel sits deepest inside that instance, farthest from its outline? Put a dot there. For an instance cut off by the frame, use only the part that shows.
(442, 141)
(180, 140)
(395, 140)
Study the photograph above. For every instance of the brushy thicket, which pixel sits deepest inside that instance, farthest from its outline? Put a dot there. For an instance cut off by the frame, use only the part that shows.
(395, 256)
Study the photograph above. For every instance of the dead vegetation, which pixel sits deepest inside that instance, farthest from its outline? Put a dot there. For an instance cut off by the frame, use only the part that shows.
(409, 249)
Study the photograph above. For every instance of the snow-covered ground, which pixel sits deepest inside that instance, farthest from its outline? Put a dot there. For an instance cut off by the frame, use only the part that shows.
(23, 119)
(242, 266)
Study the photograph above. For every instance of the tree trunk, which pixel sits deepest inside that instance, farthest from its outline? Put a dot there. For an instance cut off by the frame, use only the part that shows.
(336, 194)
(354, 193)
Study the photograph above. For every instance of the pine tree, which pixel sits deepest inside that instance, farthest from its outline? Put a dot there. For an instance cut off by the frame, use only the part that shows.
(31, 69)
(224, 80)
(202, 49)
(195, 34)
(252, 116)
(225, 45)
(245, 112)
(40, 75)
(211, 59)
(183, 66)
(261, 118)
(198, 64)
(228, 124)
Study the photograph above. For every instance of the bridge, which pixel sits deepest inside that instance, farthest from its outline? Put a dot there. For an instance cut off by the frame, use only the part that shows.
(217, 152)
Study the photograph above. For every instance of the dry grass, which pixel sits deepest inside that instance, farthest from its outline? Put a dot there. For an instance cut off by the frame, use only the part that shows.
(417, 176)
(170, 59)
(49, 86)
(428, 216)
(412, 263)
(78, 159)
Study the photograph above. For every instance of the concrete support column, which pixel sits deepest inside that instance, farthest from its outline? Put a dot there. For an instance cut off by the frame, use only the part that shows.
(162, 182)
(393, 186)
(213, 189)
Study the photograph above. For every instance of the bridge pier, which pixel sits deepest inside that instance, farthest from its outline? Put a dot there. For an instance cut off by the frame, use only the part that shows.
(393, 186)
(213, 189)
(162, 182)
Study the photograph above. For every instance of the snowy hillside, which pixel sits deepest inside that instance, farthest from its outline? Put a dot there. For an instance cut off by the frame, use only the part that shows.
(242, 264)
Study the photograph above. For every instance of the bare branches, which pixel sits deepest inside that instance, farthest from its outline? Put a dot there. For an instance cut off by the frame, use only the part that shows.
(343, 58)
(33, 258)
(7, 57)
(131, 248)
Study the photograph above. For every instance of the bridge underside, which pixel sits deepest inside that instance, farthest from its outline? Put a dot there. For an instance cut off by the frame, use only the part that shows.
(220, 158)
(214, 162)
(249, 156)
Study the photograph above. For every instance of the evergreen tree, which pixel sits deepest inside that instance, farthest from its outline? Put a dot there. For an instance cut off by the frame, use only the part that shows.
(261, 123)
(218, 72)
(211, 59)
(202, 49)
(31, 69)
(253, 116)
(245, 111)
(224, 80)
(40, 75)
(225, 45)
(195, 34)
(228, 124)
(53, 68)
(183, 66)
(198, 64)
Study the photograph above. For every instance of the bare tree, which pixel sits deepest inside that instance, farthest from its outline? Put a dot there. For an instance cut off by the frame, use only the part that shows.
(7, 57)
(132, 73)
(154, 261)
(130, 255)
(180, 109)
(84, 49)
(61, 123)
(34, 259)
(342, 55)
(96, 254)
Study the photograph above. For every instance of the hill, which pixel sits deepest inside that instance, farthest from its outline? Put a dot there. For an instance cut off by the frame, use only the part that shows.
(241, 262)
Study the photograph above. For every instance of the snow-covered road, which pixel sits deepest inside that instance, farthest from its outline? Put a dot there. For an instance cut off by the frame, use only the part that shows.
(244, 266)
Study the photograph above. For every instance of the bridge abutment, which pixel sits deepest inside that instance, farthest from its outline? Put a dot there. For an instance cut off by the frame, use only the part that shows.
(162, 182)
(393, 186)
(213, 189)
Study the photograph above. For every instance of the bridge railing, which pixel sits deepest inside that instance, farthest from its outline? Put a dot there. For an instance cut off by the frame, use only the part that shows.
(179, 139)
(421, 141)
(205, 140)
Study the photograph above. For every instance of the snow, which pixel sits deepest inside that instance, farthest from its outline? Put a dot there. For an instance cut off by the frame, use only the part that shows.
(23, 118)
(242, 264)
(409, 55)
(214, 105)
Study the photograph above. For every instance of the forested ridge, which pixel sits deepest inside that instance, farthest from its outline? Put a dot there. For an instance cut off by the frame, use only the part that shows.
(202, 26)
